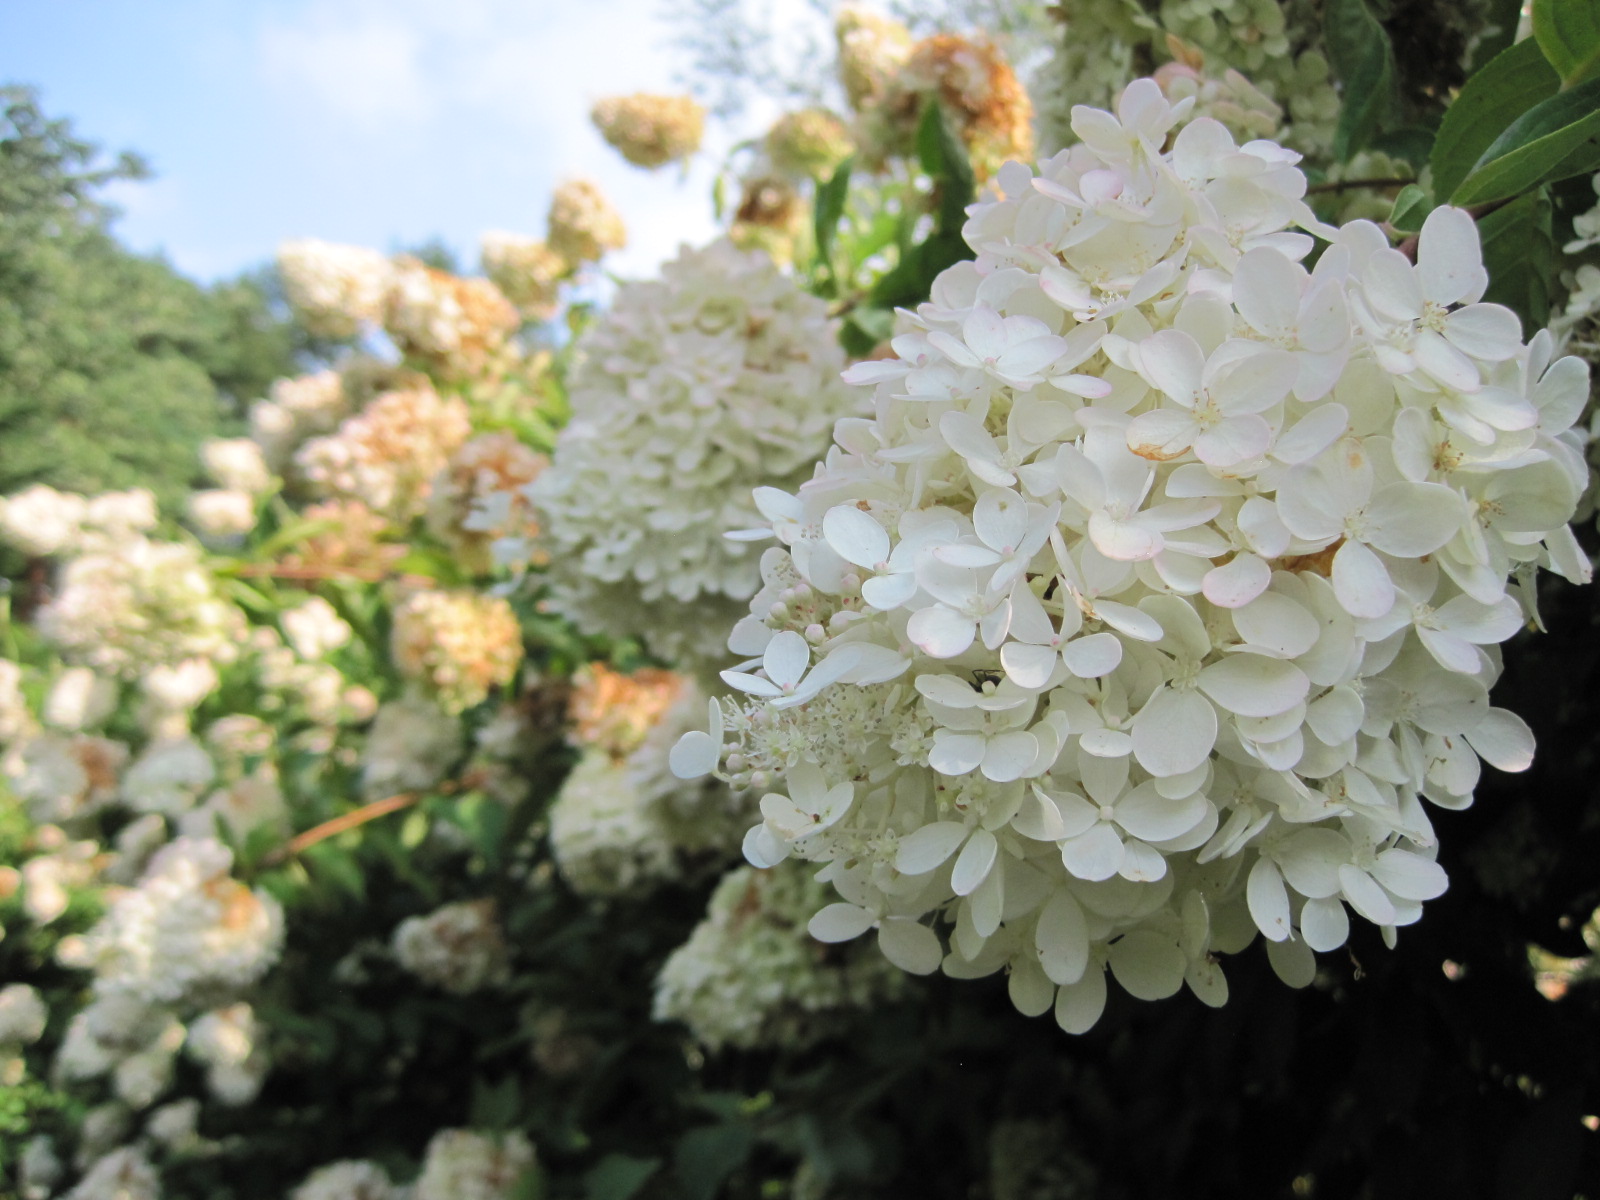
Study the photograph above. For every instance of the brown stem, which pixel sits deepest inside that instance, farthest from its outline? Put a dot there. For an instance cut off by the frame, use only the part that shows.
(1345, 185)
(367, 812)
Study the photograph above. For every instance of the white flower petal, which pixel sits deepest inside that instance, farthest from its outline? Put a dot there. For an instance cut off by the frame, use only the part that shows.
(695, 754)
(1253, 685)
(788, 654)
(1148, 965)
(1409, 876)
(1147, 814)
(1276, 624)
(1361, 581)
(1094, 855)
(1503, 740)
(910, 945)
(1269, 900)
(1079, 1005)
(1030, 989)
(1365, 895)
(1174, 732)
(974, 862)
(1324, 924)
(855, 536)
(1093, 655)
(1062, 939)
(1237, 582)
(941, 632)
(840, 923)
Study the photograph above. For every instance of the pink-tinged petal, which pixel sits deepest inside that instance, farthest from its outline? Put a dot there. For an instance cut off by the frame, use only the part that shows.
(1031, 358)
(955, 753)
(1361, 581)
(1027, 665)
(1324, 924)
(1079, 1005)
(1147, 814)
(1503, 740)
(875, 371)
(1450, 257)
(1009, 756)
(1067, 289)
(941, 632)
(1253, 685)
(1444, 363)
(910, 945)
(1093, 656)
(1172, 362)
(1094, 855)
(1409, 520)
(921, 850)
(1062, 939)
(954, 349)
(887, 592)
(1233, 441)
(1410, 876)
(1162, 434)
(1488, 332)
(1268, 900)
(1148, 965)
(840, 923)
(1237, 582)
(974, 862)
(1174, 732)
(788, 654)
(752, 684)
(855, 536)
(1365, 895)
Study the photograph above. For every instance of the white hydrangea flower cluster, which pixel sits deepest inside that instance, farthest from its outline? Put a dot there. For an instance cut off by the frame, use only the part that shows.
(387, 455)
(458, 947)
(41, 522)
(22, 1016)
(583, 225)
(227, 1042)
(187, 928)
(526, 271)
(130, 605)
(412, 745)
(622, 820)
(1163, 586)
(650, 130)
(240, 470)
(482, 496)
(463, 1165)
(691, 390)
(751, 975)
(334, 289)
(123, 1174)
(458, 644)
(349, 1179)
(298, 408)
(456, 325)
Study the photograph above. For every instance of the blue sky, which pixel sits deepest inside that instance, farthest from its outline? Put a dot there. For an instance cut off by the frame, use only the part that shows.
(378, 122)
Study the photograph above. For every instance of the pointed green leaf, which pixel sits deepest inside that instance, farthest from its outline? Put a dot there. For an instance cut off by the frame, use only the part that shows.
(1554, 139)
(1568, 31)
(618, 1177)
(1411, 208)
(1519, 252)
(829, 208)
(943, 156)
(1362, 58)
(705, 1157)
(1508, 86)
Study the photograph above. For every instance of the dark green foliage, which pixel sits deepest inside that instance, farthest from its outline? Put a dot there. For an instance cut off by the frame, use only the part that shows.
(113, 367)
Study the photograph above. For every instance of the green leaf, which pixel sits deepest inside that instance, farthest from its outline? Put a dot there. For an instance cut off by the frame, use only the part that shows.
(1362, 58)
(337, 867)
(618, 1177)
(1519, 252)
(943, 157)
(1503, 16)
(705, 1157)
(1541, 146)
(1411, 208)
(495, 1106)
(829, 208)
(1507, 86)
(1568, 31)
